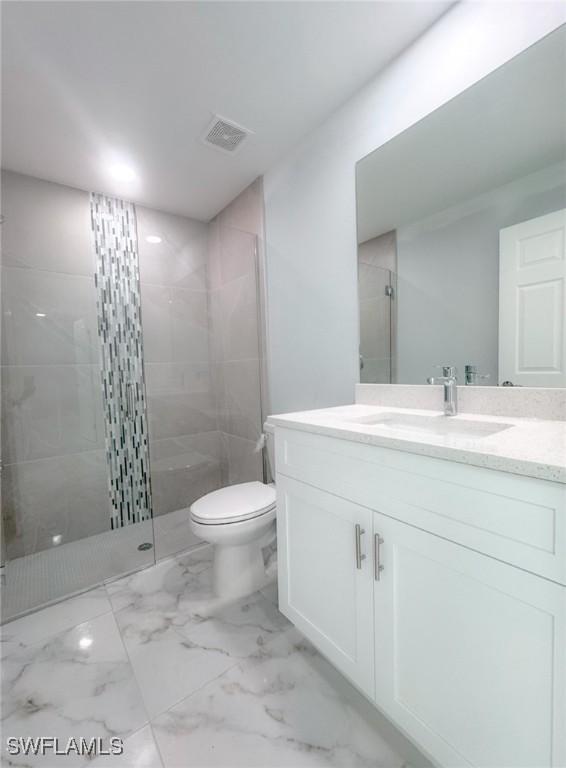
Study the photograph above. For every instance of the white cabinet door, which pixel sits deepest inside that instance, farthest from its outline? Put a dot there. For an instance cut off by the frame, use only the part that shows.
(532, 302)
(470, 653)
(324, 589)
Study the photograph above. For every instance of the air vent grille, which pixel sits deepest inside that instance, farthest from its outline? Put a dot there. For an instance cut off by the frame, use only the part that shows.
(225, 135)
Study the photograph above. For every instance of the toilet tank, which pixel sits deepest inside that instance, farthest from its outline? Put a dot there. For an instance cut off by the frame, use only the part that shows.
(270, 443)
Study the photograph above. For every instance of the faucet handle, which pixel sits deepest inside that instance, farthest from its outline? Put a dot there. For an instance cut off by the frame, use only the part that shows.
(473, 376)
(448, 371)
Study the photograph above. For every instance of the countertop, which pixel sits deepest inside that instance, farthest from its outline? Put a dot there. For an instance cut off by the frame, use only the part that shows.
(532, 447)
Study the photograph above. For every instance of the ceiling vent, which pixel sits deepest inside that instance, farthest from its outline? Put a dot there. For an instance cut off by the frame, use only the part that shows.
(225, 135)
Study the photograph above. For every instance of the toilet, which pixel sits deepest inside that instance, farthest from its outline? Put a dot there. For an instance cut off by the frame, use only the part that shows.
(239, 521)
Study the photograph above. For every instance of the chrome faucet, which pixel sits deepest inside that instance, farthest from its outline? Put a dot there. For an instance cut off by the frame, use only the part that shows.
(448, 380)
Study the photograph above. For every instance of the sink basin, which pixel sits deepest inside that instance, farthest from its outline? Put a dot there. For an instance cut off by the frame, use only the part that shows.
(431, 425)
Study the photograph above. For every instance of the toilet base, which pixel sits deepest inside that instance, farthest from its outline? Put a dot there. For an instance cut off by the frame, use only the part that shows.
(238, 566)
(238, 570)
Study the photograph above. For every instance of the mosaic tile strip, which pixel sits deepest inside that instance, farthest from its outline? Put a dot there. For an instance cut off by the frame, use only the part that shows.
(117, 281)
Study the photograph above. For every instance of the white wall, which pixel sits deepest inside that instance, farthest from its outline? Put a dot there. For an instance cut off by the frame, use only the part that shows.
(310, 194)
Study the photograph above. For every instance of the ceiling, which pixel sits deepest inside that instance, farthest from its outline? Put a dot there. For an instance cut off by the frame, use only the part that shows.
(509, 125)
(89, 84)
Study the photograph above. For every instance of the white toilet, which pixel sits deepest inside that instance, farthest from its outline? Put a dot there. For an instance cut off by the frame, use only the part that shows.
(240, 521)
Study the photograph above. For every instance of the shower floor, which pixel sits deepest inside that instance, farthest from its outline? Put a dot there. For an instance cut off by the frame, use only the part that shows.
(47, 576)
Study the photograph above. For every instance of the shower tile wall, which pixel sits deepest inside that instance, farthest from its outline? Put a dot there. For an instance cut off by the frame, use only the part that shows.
(114, 239)
(234, 333)
(52, 430)
(185, 444)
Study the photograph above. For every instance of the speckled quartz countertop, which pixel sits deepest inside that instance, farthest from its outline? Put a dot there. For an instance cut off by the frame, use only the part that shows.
(526, 446)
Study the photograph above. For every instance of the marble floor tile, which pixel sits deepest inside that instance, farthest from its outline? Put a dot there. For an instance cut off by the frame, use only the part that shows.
(271, 592)
(167, 666)
(140, 751)
(168, 586)
(179, 592)
(280, 709)
(225, 683)
(78, 683)
(180, 637)
(240, 628)
(50, 621)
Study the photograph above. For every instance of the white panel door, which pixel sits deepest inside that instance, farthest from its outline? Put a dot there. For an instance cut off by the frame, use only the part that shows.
(324, 589)
(532, 302)
(470, 655)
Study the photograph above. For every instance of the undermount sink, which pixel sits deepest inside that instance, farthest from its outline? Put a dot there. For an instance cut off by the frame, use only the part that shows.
(431, 425)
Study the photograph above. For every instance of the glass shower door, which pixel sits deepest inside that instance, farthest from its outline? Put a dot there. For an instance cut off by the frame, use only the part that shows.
(59, 525)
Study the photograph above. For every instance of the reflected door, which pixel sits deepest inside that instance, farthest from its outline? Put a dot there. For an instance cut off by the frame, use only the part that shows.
(532, 302)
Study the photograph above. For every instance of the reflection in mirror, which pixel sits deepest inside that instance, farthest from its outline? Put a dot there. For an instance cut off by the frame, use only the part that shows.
(376, 275)
(462, 234)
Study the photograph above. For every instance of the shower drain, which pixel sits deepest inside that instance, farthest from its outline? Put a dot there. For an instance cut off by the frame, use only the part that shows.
(144, 546)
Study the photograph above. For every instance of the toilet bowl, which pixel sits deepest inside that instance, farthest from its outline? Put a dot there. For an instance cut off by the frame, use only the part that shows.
(240, 522)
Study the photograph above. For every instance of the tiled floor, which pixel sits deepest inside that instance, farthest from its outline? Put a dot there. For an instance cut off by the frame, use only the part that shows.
(186, 680)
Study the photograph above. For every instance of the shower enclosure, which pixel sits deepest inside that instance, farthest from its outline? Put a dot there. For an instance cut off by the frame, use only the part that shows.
(377, 293)
(127, 335)
(376, 290)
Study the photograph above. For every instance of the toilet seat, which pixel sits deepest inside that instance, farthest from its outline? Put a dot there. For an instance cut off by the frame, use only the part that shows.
(234, 504)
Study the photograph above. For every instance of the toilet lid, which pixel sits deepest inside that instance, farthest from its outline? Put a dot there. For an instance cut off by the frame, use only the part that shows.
(234, 503)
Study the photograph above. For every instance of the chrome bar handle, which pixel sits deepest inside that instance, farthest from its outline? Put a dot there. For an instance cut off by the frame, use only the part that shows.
(377, 566)
(359, 556)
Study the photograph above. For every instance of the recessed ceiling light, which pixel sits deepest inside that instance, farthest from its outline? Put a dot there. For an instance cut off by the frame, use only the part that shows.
(85, 642)
(122, 172)
(40, 314)
(153, 239)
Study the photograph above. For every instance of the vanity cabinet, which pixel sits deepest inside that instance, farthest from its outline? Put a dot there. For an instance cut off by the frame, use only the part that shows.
(327, 591)
(469, 652)
(464, 652)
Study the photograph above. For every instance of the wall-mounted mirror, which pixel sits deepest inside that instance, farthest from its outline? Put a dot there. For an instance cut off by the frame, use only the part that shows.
(462, 234)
